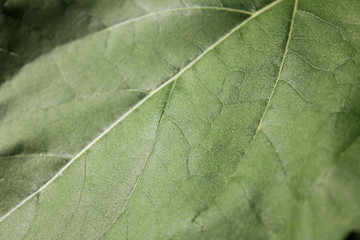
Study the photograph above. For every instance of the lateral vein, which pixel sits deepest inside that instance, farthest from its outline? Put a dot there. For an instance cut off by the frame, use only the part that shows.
(136, 106)
(268, 103)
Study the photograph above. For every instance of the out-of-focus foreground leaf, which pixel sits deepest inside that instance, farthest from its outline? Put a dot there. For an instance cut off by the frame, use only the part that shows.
(199, 122)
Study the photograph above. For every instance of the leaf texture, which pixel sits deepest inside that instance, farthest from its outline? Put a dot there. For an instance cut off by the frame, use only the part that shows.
(30, 29)
(254, 135)
(59, 103)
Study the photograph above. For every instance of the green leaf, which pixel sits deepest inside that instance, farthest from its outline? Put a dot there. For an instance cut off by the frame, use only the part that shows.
(191, 123)
(48, 118)
(30, 29)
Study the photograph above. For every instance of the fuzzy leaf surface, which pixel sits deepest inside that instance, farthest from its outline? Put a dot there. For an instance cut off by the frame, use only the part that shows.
(200, 122)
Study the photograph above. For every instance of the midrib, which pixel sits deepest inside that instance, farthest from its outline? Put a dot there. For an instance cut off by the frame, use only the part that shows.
(264, 113)
(152, 93)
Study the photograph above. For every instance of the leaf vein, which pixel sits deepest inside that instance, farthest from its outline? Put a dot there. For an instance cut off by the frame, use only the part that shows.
(146, 160)
(267, 105)
(224, 37)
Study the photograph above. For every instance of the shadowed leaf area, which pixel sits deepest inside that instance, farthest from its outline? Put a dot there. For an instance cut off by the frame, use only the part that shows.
(180, 119)
(353, 236)
(29, 29)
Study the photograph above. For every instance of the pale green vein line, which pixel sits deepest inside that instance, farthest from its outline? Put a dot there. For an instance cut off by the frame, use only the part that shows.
(255, 211)
(325, 21)
(326, 172)
(281, 162)
(181, 130)
(280, 69)
(80, 197)
(309, 63)
(35, 155)
(28, 227)
(318, 108)
(277, 79)
(269, 101)
(76, 98)
(140, 103)
(141, 17)
(146, 159)
(177, 10)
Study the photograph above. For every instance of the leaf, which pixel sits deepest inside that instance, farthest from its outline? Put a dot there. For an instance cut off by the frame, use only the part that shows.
(30, 29)
(48, 118)
(255, 136)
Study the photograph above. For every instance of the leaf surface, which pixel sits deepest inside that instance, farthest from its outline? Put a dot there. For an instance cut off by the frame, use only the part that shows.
(56, 105)
(30, 29)
(255, 136)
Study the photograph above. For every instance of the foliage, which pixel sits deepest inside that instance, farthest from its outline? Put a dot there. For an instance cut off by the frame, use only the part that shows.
(179, 119)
